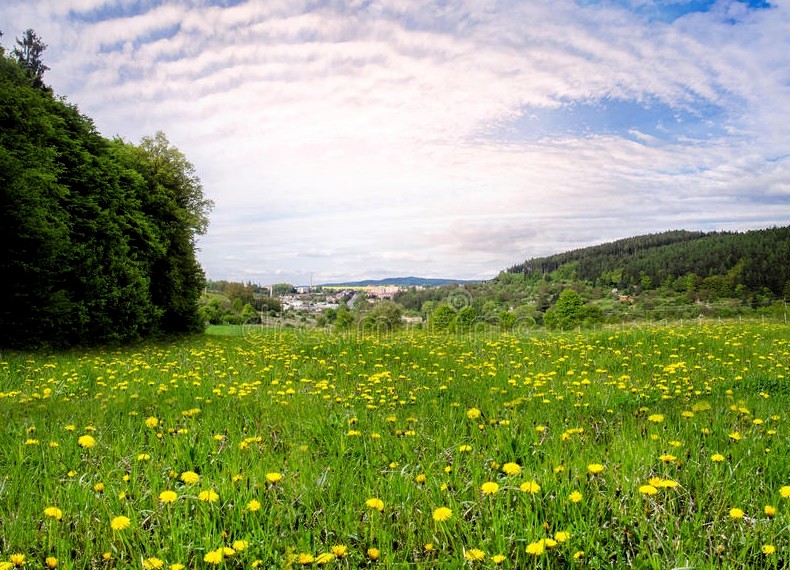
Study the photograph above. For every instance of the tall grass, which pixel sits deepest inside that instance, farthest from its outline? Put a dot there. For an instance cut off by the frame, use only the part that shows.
(295, 432)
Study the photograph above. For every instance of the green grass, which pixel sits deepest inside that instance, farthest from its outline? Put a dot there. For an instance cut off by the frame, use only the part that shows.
(343, 419)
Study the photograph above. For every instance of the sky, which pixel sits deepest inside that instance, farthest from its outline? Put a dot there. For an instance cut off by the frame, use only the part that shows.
(342, 140)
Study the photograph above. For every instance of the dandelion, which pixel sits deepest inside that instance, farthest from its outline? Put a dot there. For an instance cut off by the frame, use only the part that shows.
(530, 487)
(253, 506)
(717, 457)
(474, 554)
(208, 496)
(655, 418)
(152, 564)
(768, 549)
(51, 562)
(375, 503)
(120, 523)
(213, 556)
(769, 511)
(86, 441)
(373, 553)
(168, 496)
(442, 514)
(667, 483)
(575, 497)
(190, 477)
(339, 550)
(239, 545)
(785, 492)
(562, 536)
(53, 512)
(305, 558)
(99, 487)
(648, 490)
(735, 436)
(143, 457)
(511, 468)
(273, 477)
(465, 448)
(536, 548)
(473, 413)
(667, 458)
(578, 554)
(595, 468)
(324, 558)
(17, 559)
(498, 558)
(151, 422)
(489, 488)
(420, 478)
(736, 513)
(177, 566)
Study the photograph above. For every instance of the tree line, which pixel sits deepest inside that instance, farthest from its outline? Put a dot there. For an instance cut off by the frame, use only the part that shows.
(98, 236)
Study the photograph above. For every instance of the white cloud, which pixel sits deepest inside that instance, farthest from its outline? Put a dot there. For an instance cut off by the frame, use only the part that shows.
(355, 139)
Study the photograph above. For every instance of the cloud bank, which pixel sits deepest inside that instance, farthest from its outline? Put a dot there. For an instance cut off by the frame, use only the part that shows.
(377, 138)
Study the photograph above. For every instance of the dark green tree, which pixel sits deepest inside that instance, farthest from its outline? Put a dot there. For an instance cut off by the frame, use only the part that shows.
(28, 52)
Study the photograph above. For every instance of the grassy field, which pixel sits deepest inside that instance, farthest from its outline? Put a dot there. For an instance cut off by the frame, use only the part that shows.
(644, 448)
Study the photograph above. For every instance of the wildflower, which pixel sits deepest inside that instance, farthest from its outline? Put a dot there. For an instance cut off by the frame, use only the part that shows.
(143, 457)
(735, 436)
(489, 488)
(51, 562)
(151, 422)
(785, 492)
(177, 566)
(18, 559)
(168, 496)
(99, 487)
(717, 457)
(465, 448)
(473, 413)
(769, 510)
(239, 545)
(655, 418)
(530, 487)
(536, 548)
(768, 549)
(86, 441)
(375, 503)
(152, 564)
(667, 483)
(208, 496)
(511, 468)
(578, 554)
(498, 558)
(595, 468)
(374, 553)
(420, 478)
(575, 497)
(736, 513)
(442, 514)
(273, 477)
(428, 547)
(213, 556)
(648, 490)
(106, 556)
(562, 536)
(474, 554)
(253, 506)
(305, 558)
(53, 512)
(190, 477)
(324, 558)
(120, 523)
(667, 458)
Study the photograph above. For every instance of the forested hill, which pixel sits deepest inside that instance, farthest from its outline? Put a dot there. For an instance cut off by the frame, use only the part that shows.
(97, 236)
(755, 260)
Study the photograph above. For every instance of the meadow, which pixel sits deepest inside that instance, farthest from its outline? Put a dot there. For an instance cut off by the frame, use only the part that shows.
(651, 447)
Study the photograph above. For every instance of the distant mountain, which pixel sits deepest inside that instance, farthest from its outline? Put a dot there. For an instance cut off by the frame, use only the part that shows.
(399, 282)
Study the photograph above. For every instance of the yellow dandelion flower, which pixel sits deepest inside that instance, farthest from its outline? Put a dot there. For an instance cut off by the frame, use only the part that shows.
(489, 488)
(152, 564)
(86, 441)
(6, 565)
(474, 554)
(648, 490)
(442, 514)
(51, 562)
(324, 558)
(498, 558)
(536, 548)
(785, 492)
(717, 457)
(735, 436)
(666, 458)
(143, 457)
(99, 487)
(273, 477)
(213, 556)
(120, 523)
(530, 487)
(562, 536)
(53, 512)
(375, 503)
(17, 559)
(208, 496)
(339, 550)
(575, 497)
(768, 549)
(428, 547)
(736, 513)
(511, 468)
(305, 558)
(190, 477)
(239, 545)
(769, 510)
(420, 478)
(465, 448)
(473, 413)
(655, 418)
(168, 496)
(177, 566)
(373, 553)
(151, 422)
(578, 554)
(253, 506)
(595, 468)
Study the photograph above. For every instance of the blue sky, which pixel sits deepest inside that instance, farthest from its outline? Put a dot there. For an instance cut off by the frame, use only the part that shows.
(373, 138)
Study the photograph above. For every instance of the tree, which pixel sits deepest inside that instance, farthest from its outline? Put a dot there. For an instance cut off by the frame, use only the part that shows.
(385, 316)
(28, 53)
(442, 318)
(567, 312)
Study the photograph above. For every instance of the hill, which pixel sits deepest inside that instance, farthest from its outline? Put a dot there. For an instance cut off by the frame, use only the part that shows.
(399, 282)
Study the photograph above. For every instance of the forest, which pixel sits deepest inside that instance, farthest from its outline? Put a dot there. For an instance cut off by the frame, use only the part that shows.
(98, 235)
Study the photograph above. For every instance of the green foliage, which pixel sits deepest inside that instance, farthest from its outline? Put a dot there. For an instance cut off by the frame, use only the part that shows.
(442, 318)
(385, 316)
(97, 235)
(567, 313)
